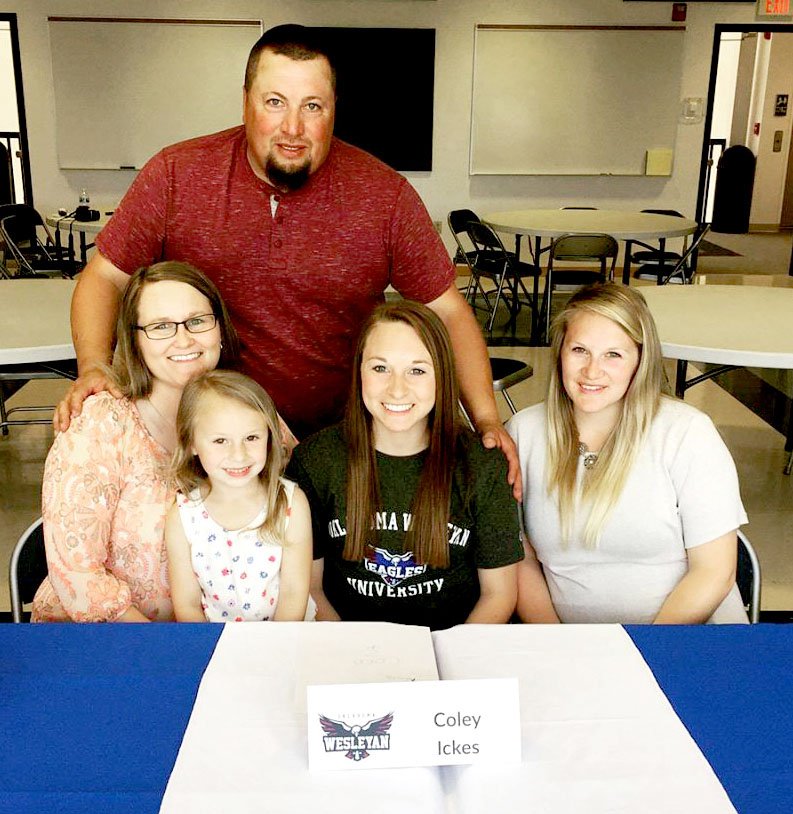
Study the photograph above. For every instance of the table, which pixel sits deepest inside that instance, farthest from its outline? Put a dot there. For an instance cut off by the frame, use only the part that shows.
(35, 334)
(94, 715)
(34, 321)
(553, 223)
(83, 228)
(729, 326)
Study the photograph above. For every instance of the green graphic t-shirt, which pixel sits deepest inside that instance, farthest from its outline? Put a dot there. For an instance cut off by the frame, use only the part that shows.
(389, 585)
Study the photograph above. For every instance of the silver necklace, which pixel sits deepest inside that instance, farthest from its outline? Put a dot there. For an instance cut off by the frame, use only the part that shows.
(590, 458)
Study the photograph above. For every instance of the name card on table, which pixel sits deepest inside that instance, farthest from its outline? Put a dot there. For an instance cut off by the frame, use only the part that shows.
(417, 723)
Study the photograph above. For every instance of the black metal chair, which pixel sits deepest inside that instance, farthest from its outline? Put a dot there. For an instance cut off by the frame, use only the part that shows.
(27, 569)
(654, 258)
(577, 248)
(29, 244)
(683, 271)
(493, 262)
(749, 577)
(505, 374)
(458, 220)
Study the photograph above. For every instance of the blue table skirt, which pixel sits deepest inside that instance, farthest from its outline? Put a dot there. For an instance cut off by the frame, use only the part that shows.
(131, 689)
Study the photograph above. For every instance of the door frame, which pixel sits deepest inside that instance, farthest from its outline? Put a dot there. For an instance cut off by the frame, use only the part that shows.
(27, 184)
(719, 29)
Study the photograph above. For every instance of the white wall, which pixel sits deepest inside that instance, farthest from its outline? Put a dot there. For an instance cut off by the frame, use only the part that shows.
(448, 186)
(769, 180)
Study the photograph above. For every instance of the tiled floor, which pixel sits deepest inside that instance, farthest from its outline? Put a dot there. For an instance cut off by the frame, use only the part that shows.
(758, 449)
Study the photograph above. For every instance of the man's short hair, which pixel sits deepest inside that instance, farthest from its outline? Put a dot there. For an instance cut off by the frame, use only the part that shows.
(294, 41)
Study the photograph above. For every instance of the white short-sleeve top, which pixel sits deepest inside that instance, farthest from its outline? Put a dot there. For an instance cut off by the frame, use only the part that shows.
(682, 491)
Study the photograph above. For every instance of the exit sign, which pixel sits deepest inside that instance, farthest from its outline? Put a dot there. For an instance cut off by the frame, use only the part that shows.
(773, 8)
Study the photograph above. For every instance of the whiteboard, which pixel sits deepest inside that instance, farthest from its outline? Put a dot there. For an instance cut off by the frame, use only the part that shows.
(573, 100)
(125, 88)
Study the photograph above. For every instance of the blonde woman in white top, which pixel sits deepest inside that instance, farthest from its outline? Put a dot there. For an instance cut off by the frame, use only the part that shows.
(632, 502)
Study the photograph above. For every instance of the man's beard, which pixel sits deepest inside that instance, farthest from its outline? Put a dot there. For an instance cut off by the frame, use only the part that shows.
(287, 178)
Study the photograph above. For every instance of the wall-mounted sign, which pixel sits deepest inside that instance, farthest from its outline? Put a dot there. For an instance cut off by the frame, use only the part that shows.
(773, 9)
(780, 105)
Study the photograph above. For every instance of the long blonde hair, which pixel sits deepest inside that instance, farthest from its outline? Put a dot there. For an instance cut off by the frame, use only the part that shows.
(603, 484)
(189, 474)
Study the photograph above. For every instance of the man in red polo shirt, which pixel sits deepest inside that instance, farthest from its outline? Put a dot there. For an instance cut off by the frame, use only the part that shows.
(301, 232)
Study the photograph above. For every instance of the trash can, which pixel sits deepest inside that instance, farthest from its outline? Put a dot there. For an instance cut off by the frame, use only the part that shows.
(732, 200)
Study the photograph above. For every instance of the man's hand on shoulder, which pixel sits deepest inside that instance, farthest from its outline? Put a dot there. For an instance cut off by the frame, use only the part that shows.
(494, 434)
(93, 381)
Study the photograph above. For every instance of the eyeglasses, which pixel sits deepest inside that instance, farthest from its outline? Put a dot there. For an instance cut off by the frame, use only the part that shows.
(165, 330)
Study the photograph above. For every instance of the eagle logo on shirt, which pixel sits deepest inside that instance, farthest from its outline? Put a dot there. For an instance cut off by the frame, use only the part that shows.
(393, 568)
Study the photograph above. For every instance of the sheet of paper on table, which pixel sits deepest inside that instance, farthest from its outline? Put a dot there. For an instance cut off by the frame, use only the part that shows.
(245, 747)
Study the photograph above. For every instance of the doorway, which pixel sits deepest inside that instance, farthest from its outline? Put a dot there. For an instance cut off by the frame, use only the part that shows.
(738, 113)
(15, 181)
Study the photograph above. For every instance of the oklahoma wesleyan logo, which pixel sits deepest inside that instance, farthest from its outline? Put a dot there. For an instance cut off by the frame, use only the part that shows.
(356, 741)
(393, 568)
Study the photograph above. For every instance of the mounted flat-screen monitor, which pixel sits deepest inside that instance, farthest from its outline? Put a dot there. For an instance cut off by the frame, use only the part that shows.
(385, 80)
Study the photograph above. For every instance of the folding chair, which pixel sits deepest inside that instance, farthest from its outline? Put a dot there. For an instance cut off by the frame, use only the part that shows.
(458, 220)
(505, 374)
(653, 261)
(20, 228)
(685, 268)
(749, 577)
(27, 569)
(492, 261)
(577, 248)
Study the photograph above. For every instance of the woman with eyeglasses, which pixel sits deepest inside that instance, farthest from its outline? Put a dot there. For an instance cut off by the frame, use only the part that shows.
(106, 488)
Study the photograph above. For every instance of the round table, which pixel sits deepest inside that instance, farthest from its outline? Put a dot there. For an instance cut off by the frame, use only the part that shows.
(553, 223)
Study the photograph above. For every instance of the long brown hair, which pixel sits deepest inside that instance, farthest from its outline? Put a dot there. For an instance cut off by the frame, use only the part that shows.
(428, 534)
(189, 474)
(129, 368)
(603, 484)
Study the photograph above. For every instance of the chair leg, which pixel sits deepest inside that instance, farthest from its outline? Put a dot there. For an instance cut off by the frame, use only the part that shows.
(3, 413)
(495, 305)
(546, 307)
(466, 416)
(509, 401)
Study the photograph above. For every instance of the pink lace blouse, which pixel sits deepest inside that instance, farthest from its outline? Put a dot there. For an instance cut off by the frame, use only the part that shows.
(105, 496)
